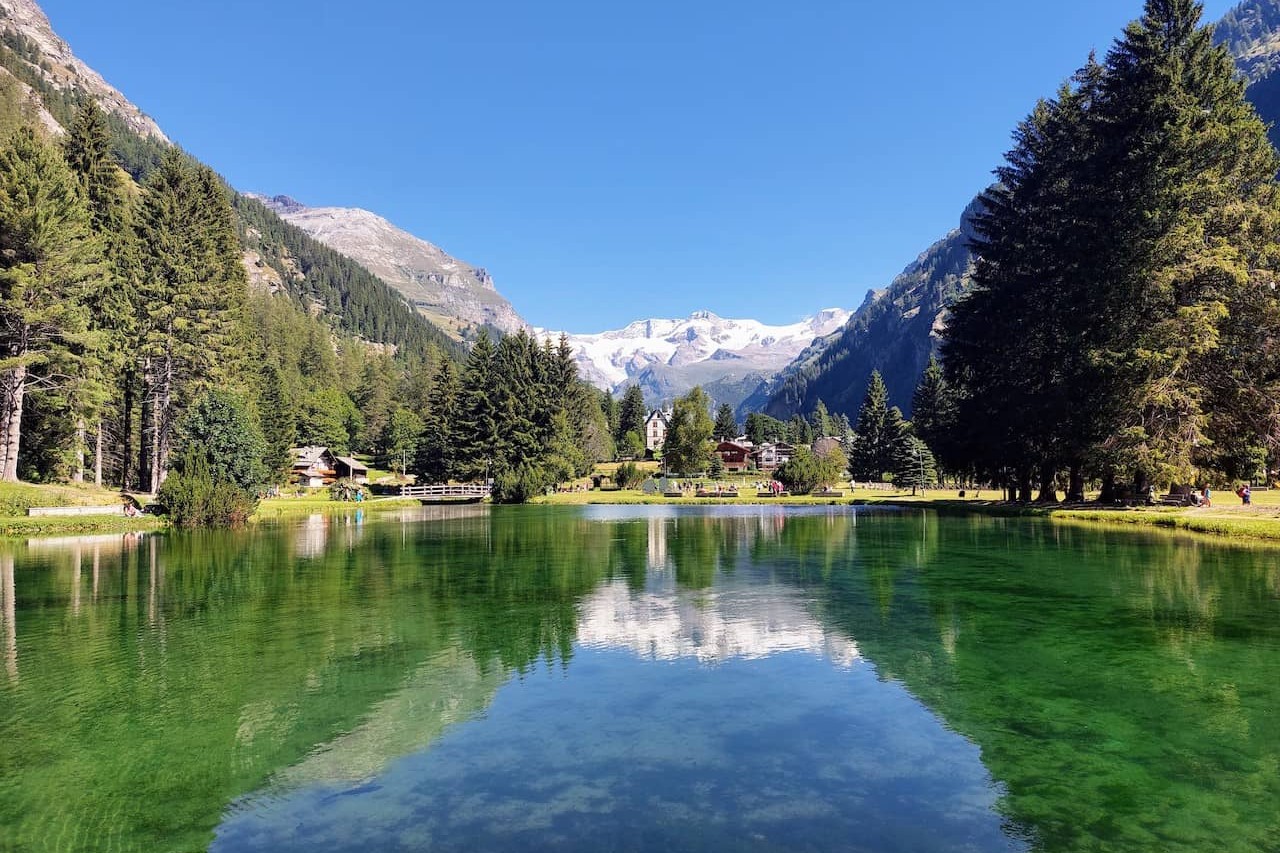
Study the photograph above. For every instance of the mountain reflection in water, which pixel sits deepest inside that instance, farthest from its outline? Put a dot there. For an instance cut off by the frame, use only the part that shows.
(639, 679)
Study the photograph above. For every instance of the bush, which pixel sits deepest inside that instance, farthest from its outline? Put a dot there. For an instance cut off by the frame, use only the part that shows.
(629, 476)
(800, 473)
(221, 427)
(347, 490)
(521, 485)
(194, 497)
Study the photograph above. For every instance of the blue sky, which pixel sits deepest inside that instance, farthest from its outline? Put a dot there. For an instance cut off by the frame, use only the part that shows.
(606, 161)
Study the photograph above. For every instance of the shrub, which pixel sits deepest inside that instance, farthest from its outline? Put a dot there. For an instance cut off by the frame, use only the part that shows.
(221, 427)
(346, 490)
(194, 497)
(629, 476)
(800, 473)
(521, 485)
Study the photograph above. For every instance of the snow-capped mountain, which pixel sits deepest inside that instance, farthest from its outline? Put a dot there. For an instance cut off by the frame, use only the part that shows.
(668, 357)
(448, 291)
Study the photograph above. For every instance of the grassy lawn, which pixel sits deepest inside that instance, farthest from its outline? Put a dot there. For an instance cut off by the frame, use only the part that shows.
(1226, 518)
(17, 498)
(320, 502)
(747, 495)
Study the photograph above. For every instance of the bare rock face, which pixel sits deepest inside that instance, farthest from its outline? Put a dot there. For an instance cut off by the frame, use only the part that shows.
(440, 286)
(63, 70)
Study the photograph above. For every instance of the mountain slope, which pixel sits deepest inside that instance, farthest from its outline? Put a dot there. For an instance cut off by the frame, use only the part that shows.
(278, 256)
(666, 358)
(443, 288)
(28, 34)
(894, 332)
(897, 330)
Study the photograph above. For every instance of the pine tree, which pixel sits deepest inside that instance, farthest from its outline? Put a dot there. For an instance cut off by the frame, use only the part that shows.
(50, 264)
(633, 413)
(481, 443)
(278, 417)
(438, 447)
(913, 464)
(823, 424)
(933, 417)
(113, 307)
(877, 431)
(192, 297)
(726, 426)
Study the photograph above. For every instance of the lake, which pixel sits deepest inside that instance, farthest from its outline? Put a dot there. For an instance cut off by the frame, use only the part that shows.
(640, 679)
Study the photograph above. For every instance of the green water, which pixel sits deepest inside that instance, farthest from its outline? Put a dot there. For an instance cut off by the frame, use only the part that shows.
(640, 679)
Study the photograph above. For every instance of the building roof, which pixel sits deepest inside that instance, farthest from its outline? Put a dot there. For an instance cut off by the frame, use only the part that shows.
(308, 456)
(353, 464)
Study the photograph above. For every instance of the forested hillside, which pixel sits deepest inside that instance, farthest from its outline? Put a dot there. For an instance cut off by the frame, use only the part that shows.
(352, 299)
(896, 332)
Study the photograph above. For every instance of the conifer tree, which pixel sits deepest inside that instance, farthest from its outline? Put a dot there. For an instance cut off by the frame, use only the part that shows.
(933, 417)
(192, 298)
(50, 263)
(876, 433)
(113, 307)
(278, 416)
(823, 423)
(726, 426)
(633, 413)
(480, 440)
(436, 458)
(914, 466)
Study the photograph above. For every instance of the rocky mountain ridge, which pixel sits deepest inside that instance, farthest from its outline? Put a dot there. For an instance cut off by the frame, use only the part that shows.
(450, 292)
(898, 330)
(667, 357)
(27, 30)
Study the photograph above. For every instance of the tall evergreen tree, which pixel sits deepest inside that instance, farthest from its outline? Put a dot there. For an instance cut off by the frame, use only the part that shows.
(192, 296)
(726, 426)
(876, 433)
(436, 458)
(933, 416)
(49, 267)
(480, 439)
(113, 307)
(633, 413)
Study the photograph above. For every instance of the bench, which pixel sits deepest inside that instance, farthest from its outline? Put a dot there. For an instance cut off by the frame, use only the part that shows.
(832, 493)
(69, 511)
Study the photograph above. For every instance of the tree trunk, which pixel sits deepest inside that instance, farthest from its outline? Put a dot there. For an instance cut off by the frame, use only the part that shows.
(153, 454)
(15, 389)
(97, 458)
(145, 431)
(1048, 484)
(77, 476)
(1108, 495)
(1075, 484)
(126, 458)
(1024, 486)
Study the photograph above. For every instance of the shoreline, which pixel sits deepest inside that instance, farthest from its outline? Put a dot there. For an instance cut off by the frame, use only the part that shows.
(1233, 523)
(1220, 523)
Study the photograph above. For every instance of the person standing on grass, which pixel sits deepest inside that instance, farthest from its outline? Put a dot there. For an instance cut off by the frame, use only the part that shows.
(1246, 495)
(1208, 497)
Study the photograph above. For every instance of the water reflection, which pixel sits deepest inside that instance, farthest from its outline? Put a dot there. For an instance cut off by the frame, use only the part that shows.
(680, 678)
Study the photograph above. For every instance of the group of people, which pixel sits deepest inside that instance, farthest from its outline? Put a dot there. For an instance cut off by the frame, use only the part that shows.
(1204, 497)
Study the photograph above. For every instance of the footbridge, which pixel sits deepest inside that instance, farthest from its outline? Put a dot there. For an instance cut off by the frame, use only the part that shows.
(446, 493)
